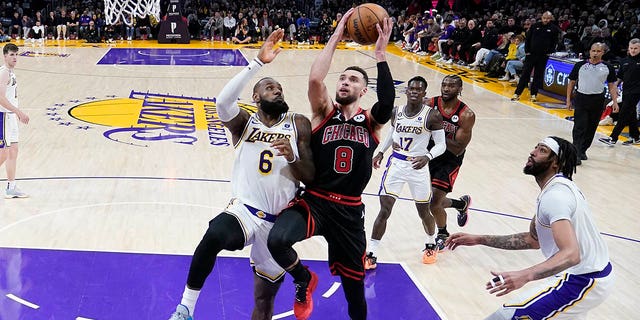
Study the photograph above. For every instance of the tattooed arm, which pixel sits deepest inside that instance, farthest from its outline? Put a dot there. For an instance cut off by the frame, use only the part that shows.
(518, 241)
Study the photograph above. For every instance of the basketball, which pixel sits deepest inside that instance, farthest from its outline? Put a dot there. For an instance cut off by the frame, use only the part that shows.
(361, 26)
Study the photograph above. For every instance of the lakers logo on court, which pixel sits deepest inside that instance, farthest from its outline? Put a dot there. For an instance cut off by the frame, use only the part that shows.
(145, 118)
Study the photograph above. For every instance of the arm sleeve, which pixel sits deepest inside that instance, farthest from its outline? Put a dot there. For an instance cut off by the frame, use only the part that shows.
(381, 110)
(386, 143)
(440, 146)
(226, 103)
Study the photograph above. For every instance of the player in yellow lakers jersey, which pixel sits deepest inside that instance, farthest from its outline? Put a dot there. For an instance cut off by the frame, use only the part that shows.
(412, 127)
(272, 156)
(9, 117)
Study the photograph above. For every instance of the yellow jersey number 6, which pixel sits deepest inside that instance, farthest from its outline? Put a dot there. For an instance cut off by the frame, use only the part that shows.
(266, 163)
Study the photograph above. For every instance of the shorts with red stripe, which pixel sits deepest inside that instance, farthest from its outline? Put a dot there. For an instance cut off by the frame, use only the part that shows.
(341, 222)
(444, 170)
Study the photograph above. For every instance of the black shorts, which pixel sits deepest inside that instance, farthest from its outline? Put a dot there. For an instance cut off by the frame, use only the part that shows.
(444, 170)
(343, 228)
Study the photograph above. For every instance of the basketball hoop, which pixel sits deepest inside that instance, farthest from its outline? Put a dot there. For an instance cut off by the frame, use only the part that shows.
(115, 10)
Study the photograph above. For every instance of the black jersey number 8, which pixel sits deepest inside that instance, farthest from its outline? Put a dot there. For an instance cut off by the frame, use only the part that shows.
(343, 160)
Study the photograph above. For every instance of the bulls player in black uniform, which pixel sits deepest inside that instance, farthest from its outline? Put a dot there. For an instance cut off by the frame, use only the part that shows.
(458, 121)
(343, 141)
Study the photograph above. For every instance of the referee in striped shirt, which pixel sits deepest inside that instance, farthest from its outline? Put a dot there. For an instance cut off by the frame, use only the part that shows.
(590, 76)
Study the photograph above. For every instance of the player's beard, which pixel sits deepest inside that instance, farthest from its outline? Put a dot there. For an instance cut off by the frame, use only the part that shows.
(537, 168)
(345, 100)
(274, 108)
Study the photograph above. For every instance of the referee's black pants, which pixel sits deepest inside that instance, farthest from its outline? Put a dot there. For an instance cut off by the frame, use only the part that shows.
(588, 109)
(628, 117)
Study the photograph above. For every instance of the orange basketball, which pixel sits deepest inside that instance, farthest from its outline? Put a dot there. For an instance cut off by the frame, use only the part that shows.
(361, 26)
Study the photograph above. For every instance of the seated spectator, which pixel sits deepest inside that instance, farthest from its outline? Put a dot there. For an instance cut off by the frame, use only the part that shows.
(92, 34)
(16, 26)
(452, 47)
(470, 45)
(242, 37)
(130, 27)
(143, 28)
(37, 33)
(447, 30)
(425, 36)
(84, 23)
(229, 26)
(489, 42)
(265, 24)
(61, 25)
(290, 24)
(50, 24)
(514, 59)
(73, 24)
(3, 36)
(27, 24)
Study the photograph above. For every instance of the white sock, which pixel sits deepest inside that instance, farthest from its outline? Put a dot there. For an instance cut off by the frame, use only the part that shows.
(11, 185)
(431, 239)
(373, 245)
(189, 299)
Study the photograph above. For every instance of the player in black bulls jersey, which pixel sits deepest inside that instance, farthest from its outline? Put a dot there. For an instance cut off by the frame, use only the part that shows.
(343, 140)
(458, 121)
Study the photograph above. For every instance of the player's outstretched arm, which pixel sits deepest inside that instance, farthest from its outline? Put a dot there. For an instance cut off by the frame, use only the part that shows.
(321, 103)
(230, 114)
(382, 110)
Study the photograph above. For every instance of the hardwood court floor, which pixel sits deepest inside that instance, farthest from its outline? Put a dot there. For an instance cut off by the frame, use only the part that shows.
(99, 182)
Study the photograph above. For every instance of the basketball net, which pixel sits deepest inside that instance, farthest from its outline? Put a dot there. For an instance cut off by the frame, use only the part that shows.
(115, 10)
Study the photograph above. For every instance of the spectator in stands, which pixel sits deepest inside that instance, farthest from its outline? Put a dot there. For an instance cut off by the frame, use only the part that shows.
(279, 20)
(16, 26)
(489, 42)
(511, 27)
(3, 36)
(229, 23)
(447, 30)
(303, 20)
(470, 45)
(37, 33)
(50, 24)
(98, 23)
(514, 59)
(92, 33)
(72, 24)
(130, 27)
(214, 26)
(265, 24)
(324, 28)
(242, 37)
(290, 23)
(193, 24)
(541, 40)
(61, 25)
(143, 28)
(254, 28)
(454, 44)
(427, 35)
(83, 21)
(27, 24)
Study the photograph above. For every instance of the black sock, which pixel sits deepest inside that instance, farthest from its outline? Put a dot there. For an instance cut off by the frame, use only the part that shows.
(458, 204)
(300, 273)
(443, 231)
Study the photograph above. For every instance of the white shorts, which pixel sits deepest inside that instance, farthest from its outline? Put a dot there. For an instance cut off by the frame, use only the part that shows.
(8, 129)
(256, 231)
(398, 173)
(563, 297)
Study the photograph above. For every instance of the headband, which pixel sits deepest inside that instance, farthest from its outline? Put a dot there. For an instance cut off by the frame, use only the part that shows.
(551, 144)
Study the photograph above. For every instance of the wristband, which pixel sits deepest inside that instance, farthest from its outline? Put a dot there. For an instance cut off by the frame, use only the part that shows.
(429, 156)
(295, 158)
